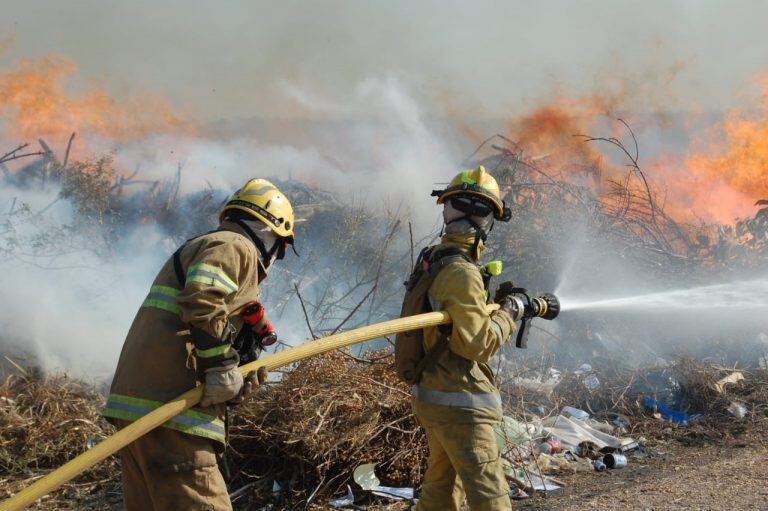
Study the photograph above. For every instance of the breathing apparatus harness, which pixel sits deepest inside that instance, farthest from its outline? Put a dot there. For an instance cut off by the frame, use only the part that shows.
(260, 332)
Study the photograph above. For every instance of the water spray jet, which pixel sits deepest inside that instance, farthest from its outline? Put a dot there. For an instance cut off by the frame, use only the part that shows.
(744, 296)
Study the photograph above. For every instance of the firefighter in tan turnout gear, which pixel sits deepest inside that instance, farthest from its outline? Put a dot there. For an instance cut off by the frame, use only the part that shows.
(454, 396)
(199, 321)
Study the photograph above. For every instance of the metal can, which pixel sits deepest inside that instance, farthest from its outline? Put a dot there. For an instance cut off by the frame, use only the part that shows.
(599, 466)
(615, 461)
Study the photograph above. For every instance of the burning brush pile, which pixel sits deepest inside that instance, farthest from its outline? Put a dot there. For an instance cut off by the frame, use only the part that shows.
(299, 440)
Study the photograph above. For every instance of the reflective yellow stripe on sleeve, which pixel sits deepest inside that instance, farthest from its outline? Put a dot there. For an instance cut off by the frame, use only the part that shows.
(190, 421)
(212, 276)
(213, 352)
(162, 297)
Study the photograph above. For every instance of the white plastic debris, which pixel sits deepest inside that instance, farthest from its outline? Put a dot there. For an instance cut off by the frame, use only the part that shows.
(512, 432)
(394, 493)
(575, 413)
(534, 481)
(345, 501)
(731, 378)
(365, 477)
(737, 409)
(591, 382)
(276, 488)
(583, 369)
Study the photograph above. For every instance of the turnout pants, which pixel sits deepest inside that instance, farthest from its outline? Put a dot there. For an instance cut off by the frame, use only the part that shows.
(169, 470)
(464, 461)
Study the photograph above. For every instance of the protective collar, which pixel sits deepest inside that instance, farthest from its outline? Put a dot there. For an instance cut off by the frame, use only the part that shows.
(269, 244)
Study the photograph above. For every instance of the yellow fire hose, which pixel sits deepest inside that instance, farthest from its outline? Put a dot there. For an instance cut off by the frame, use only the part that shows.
(190, 398)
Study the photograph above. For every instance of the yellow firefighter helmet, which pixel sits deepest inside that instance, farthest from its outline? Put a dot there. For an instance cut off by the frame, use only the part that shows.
(476, 183)
(261, 199)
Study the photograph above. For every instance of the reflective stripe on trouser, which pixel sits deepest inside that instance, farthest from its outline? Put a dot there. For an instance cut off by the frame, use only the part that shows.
(163, 298)
(463, 461)
(456, 399)
(190, 421)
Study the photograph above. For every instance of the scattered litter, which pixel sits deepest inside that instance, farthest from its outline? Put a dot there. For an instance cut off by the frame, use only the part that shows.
(345, 501)
(550, 446)
(539, 484)
(621, 422)
(592, 382)
(518, 494)
(589, 450)
(614, 461)
(731, 378)
(394, 493)
(276, 488)
(365, 477)
(629, 446)
(601, 426)
(539, 384)
(600, 466)
(679, 418)
(737, 409)
(575, 413)
(583, 369)
(572, 432)
(512, 431)
(548, 464)
(556, 446)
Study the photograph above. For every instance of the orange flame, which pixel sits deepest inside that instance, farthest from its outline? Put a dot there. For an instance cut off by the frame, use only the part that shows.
(34, 103)
(722, 175)
(730, 163)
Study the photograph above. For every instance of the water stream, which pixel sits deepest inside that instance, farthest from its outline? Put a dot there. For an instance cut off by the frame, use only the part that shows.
(744, 296)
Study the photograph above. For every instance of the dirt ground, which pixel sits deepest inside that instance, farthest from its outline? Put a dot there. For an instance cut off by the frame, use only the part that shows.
(729, 474)
(701, 474)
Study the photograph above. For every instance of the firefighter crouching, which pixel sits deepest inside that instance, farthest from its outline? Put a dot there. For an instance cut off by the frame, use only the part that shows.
(454, 396)
(200, 309)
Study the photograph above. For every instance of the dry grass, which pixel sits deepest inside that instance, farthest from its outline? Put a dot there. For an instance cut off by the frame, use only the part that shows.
(44, 422)
(330, 414)
(327, 416)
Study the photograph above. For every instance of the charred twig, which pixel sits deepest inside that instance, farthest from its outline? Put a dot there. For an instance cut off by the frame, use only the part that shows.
(69, 148)
(304, 310)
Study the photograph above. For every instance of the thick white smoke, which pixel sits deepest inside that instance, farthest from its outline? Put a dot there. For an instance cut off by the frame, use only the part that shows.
(71, 305)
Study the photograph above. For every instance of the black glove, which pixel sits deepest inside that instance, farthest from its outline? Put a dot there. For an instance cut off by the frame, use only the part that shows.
(512, 305)
(504, 290)
(246, 344)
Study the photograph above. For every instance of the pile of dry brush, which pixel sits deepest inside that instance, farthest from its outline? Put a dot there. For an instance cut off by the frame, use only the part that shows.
(46, 421)
(325, 417)
(331, 413)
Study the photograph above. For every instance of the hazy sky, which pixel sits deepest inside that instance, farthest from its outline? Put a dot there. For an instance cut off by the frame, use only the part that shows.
(243, 58)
